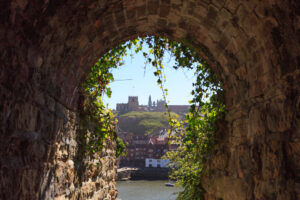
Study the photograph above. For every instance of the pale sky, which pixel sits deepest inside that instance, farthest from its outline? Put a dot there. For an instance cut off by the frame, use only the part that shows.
(143, 83)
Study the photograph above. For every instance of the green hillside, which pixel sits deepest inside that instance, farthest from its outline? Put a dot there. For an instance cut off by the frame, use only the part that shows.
(143, 123)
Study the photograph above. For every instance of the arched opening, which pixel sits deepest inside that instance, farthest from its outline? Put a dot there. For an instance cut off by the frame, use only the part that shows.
(47, 50)
(189, 147)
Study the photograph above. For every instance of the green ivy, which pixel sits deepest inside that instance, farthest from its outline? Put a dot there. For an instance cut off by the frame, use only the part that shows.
(195, 136)
(99, 121)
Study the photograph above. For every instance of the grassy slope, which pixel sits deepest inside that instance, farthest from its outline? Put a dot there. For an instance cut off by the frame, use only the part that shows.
(143, 123)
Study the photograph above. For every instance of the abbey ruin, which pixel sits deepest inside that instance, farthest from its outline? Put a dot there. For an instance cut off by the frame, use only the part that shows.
(155, 106)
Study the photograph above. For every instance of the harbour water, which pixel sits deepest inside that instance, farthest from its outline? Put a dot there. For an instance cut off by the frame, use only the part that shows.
(146, 190)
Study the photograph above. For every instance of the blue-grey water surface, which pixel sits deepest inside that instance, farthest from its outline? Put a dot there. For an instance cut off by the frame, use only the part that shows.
(146, 190)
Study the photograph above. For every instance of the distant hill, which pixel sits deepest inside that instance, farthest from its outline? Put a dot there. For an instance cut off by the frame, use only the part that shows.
(143, 123)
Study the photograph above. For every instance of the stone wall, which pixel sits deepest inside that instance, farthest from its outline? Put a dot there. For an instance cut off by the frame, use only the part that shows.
(79, 175)
(46, 160)
(47, 48)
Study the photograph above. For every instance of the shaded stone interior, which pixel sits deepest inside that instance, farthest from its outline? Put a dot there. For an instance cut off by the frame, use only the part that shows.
(47, 48)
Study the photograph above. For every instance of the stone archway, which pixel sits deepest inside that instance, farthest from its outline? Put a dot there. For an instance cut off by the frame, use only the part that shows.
(47, 48)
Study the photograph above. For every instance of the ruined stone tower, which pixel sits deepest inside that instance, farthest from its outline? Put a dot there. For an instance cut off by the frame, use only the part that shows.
(133, 103)
(149, 102)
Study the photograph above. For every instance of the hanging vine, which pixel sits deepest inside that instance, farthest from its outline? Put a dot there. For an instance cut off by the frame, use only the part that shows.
(195, 136)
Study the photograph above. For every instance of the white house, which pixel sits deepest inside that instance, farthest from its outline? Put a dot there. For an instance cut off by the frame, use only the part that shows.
(151, 162)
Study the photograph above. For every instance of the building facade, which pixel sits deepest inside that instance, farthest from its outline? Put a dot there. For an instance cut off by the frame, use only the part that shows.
(156, 163)
(146, 151)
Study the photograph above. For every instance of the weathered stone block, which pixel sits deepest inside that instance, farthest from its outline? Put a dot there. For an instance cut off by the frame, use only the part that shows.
(279, 115)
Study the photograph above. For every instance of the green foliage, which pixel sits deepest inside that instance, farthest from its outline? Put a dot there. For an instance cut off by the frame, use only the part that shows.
(121, 147)
(97, 124)
(143, 123)
(196, 139)
(98, 120)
